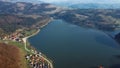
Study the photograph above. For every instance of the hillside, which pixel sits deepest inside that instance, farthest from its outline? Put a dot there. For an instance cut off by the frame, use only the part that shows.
(102, 19)
(10, 56)
(26, 8)
(20, 20)
(10, 23)
(95, 6)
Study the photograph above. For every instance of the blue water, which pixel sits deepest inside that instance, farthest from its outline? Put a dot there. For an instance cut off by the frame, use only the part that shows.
(71, 46)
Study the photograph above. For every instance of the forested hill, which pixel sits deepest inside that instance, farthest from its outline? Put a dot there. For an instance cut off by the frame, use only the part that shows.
(27, 8)
(102, 19)
(10, 23)
(18, 15)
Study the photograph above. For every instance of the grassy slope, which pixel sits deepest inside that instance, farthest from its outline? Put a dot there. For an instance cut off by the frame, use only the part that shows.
(12, 56)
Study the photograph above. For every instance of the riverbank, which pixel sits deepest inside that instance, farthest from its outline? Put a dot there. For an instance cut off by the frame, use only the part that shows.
(25, 40)
(51, 19)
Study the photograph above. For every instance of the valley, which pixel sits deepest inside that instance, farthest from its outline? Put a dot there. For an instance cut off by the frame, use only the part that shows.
(49, 34)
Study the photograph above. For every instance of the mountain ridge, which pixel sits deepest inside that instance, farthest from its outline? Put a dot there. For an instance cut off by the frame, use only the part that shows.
(95, 6)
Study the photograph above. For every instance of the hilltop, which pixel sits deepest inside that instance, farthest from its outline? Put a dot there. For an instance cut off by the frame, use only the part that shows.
(96, 6)
(27, 8)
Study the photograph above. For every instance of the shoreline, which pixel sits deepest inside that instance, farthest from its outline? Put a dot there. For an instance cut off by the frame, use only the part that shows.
(25, 40)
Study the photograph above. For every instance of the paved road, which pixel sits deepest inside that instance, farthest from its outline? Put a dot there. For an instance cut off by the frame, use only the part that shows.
(25, 44)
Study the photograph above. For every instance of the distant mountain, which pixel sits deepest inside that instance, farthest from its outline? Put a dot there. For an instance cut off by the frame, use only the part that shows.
(64, 4)
(85, 3)
(82, 1)
(28, 8)
(103, 19)
(95, 6)
(74, 4)
(29, 1)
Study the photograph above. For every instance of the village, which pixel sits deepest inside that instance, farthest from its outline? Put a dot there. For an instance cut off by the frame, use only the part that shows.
(33, 58)
(37, 61)
(16, 36)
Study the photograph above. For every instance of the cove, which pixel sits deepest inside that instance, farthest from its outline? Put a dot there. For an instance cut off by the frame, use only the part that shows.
(71, 46)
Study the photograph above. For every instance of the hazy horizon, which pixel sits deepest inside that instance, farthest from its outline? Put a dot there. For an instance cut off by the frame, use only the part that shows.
(82, 1)
(70, 1)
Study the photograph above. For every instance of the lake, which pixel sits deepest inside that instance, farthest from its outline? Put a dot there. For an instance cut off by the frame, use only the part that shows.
(71, 46)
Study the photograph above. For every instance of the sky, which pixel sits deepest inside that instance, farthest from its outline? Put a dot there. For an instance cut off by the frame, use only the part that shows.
(71, 1)
(84, 1)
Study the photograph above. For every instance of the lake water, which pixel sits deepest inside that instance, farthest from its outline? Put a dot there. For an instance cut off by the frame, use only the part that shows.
(71, 46)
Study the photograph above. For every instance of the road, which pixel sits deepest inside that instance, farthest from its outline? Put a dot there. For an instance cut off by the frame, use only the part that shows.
(25, 46)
